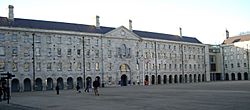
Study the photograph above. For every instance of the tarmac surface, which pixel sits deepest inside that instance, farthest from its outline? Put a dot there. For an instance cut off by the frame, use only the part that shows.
(231, 95)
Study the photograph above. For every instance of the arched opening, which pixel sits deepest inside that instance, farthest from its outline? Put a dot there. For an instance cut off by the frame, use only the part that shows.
(153, 79)
(39, 84)
(124, 80)
(194, 77)
(199, 77)
(165, 79)
(170, 79)
(27, 84)
(146, 80)
(203, 77)
(245, 76)
(190, 78)
(159, 79)
(175, 79)
(70, 83)
(15, 87)
(186, 78)
(180, 79)
(89, 81)
(50, 85)
(60, 83)
(233, 76)
(80, 82)
(226, 77)
(239, 76)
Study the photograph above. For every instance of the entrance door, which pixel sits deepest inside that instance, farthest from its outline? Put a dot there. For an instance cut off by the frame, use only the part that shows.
(27, 84)
(124, 80)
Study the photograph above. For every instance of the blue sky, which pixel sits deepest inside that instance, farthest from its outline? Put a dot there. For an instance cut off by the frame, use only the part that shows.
(206, 20)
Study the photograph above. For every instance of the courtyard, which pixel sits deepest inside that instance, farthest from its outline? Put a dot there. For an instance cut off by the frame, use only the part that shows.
(228, 95)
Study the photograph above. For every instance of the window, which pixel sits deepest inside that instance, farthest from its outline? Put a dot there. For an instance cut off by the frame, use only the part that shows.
(26, 52)
(69, 66)
(78, 52)
(190, 66)
(2, 66)
(14, 38)
(195, 66)
(97, 42)
(238, 56)
(88, 53)
(79, 66)
(49, 51)
(38, 66)
(159, 66)
(245, 64)
(96, 53)
(26, 66)
(38, 52)
(137, 66)
(48, 39)
(59, 66)
(49, 66)
(14, 51)
(69, 40)
(152, 55)
(185, 66)
(165, 66)
(59, 52)
(146, 66)
(69, 52)
(225, 65)
(79, 40)
(175, 66)
(59, 40)
(87, 41)
(109, 42)
(146, 45)
(238, 64)
(232, 57)
(232, 65)
(225, 58)
(2, 51)
(245, 56)
(109, 53)
(189, 57)
(170, 66)
(37, 39)
(2, 37)
(88, 66)
(153, 66)
(174, 47)
(110, 66)
(97, 68)
(14, 67)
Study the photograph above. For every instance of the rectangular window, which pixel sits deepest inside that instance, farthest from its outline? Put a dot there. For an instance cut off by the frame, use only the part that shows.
(232, 65)
(146, 45)
(38, 51)
(49, 52)
(49, 66)
(2, 66)
(88, 66)
(59, 52)
(87, 41)
(245, 64)
(97, 42)
(175, 66)
(14, 67)
(79, 40)
(109, 53)
(14, 51)
(109, 42)
(26, 66)
(153, 66)
(38, 39)
(14, 38)
(88, 53)
(26, 52)
(69, 66)
(69, 51)
(78, 52)
(225, 65)
(97, 67)
(48, 39)
(159, 67)
(110, 66)
(170, 66)
(59, 40)
(79, 66)
(38, 66)
(165, 66)
(69, 40)
(96, 53)
(245, 56)
(2, 37)
(2, 51)
(59, 66)
(137, 66)
(238, 64)
(190, 66)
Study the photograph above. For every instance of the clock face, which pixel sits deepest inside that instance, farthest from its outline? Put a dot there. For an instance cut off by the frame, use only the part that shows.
(123, 33)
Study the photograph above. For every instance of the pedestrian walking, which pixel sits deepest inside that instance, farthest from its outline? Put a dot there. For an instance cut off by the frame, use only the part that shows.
(96, 84)
(87, 85)
(57, 89)
(78, 88)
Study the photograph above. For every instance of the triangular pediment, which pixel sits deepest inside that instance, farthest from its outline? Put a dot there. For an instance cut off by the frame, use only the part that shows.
(122, 33)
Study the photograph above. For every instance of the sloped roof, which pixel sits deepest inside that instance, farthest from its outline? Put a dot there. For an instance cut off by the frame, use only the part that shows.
(51, 25)
(235, 39)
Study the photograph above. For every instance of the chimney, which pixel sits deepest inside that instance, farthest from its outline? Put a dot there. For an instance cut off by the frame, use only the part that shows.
(97, 22)
(180, 32)
(130, 25)
(11, 12)
(227, 34)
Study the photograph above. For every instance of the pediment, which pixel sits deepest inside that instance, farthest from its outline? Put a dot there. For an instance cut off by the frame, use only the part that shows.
(122, 33)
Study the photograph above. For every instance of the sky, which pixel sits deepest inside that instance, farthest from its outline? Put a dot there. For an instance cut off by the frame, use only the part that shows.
(207, 20)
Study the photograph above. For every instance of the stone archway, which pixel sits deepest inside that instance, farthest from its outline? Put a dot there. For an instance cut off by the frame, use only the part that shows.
(245, 76)
(175, 79)
(233, 76)
(70, 84)
(15, 86)
(180, 79)
(79, 81)
(153, 79)
(159, 79)
(27, 84)
(194, 77)
(239, 76)
(98, 79)
(170, 79)
(50, 84)
(186, 78)
(226, 77)
(89, 80)
(199, 77)
(60, 83)
(124, 80)
(190, 78)
(146, 80)
(165, 79)
(203, 77)
(39, 84)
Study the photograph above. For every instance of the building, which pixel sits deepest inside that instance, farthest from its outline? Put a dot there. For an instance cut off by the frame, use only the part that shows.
(215, 62)
(43, 54)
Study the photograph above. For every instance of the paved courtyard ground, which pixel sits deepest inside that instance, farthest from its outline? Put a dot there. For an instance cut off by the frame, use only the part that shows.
(233, 95)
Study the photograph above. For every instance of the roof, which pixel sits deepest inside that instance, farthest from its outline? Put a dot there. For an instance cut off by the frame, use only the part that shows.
(235, 39)
(51, 25)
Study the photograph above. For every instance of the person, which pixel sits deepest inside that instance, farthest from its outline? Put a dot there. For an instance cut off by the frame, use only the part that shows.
(4, 92)
(96, 84)
(57, 89)
(78, 88)
(87, 85)
(1, 93)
